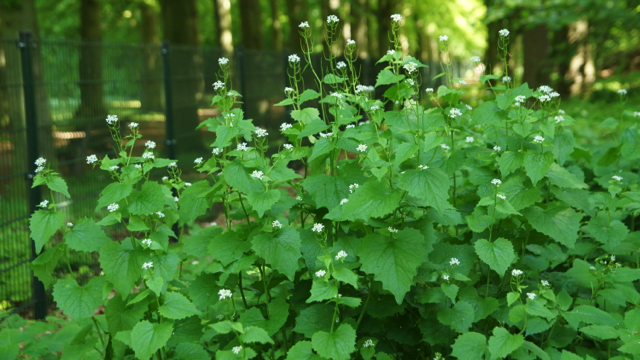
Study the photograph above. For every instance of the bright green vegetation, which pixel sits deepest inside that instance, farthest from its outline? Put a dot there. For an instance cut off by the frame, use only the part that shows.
(434, 229)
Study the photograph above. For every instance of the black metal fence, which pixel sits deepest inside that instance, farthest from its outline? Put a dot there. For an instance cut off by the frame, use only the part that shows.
(55, 96)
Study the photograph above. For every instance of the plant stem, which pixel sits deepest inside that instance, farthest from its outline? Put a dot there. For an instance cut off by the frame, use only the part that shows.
(244, 300)
(364, 308)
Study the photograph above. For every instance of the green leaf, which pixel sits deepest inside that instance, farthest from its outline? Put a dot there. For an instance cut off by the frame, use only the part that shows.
(149, 200)
(302, 350)
(44, 265)
(225, 135)
(590, 315)
(321, 147)
(386, 77)
(281, 250)
(608, 233)
(510, 162)
(278, 313)
(372, 199)
(562, 178)
(333, 79)
(346, 275)
(236, 176)
(263, 200)
(322, 290)
(470, 346)
(185, 351)
(147, 338)
(285, 102)
(498, 255)
(78, 302)
(486, 114)
(58, 184)
(312, 128)
(336, 345)
(114, 192)
(228, 247)
(431, 185)
(325, 190)
(85, 235)
(601, 332)
(177, 306)
(121, 316)
(306, 116)
(502, 343)
(558, 221)
(459, 317)
(563, 144)
(393, 260)
(193, 202)
(308, 94)
(566, 355)
(43, 224)
(254, 334)
(316, 317)
(122, 265)
(450, 290)
(537, 164)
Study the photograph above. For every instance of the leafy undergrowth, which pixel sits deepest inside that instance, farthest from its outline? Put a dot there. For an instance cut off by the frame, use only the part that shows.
(420, 227)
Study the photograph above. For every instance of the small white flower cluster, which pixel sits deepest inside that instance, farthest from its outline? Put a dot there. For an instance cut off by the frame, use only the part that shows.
(504, 32)
(374, 108)
(361, 88)
(288, 90)
(516, 272)
(501, 196)
(133, 125)
(320, 273)
(284, 127)
(445, 277)
(545, 89)
(443, 38)
(622, 92)
(44, 203)
(198, 160)
(476, 59)
(351, 42)
(224, 294)
(317, 227)
(218, 85)
(344, 201)
(112, 119)
(113, 207)
(223, 61)
(496, 182)
(187, 184)
(147, 265)
(242, 147)
(216, 151)
(336, 95)
(506, 79)
(445, 147)
(340, 65)
(353, 187)
(332, 19)
(150, 144)
(617, 178)
(261, 133)
(531, 296)
(429, 90)
(410, 67)
(544, 282)
(288, 146)
(454, 261)
(559, 119)
(497, 148)
(40, 161)
(392, 230)
(538, 139)
(462, 82)
(410, 82)
(276, 224)
(294, 58)
(368, 343)
(146, 242)
(519, 100)
(160, 214)
(236, 349)
(636, 113)
(469, 139)
(396, 17)
(323, 135)
(173, 164)
(114, 167)
(361, 148)
(304, 24)
(257, 174)
(423, 167)
(148, 155)
(455, 112)
(391, 52)
(341, 255)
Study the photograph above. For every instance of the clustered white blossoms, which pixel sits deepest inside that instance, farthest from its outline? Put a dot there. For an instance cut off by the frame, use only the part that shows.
(344, 201)
(257, 174)
(114, 167)
(445, 277)
(336, 95)
(531, 296)
(323, 135)
(469, 139)
(332, 19)
(368, 343)
(147, 265)
(396, 17)
(236, 349)
(497, 148)
(545, 89)
(476, 59)
(445, 147)
(187, 184)
(455, 112)
(285, 127)
(288, 146)
(317, 227)
(150, 144)
(622, 92)
(113, 207)
(504, 32)
(496, 182)
(636, 113)
(146, 242)
(506, 79)
(361, 88)
(218, 85)
(361, 148)
(294, 58)
(423, 167)
(503, 197)
(341, 255)
(462, 82)
(429, 90)
(351, 42)
(224, 294)
(223, 61)
(559, 118)
(160, 214)
(242, 147)
(276, 224)
(544, 282)
(148, 155)
(304, 24)
(261, 132)
(215, 151)
(288, 90)
(538, 139)
(454, 261)
(40, 161)
(353, 187)
(340, 65)
(44, 203)
(91, 159)
(173, 164)
(320, 273)
(617, 178)
(392, 230)
(391, 52)
(112, 119)
(198, 160)
(133, 125)
(373, 108)
(443, 38)
(516, 272)
(410, 67)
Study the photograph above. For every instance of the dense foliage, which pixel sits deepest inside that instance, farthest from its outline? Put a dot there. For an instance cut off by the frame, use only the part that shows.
(418, 228)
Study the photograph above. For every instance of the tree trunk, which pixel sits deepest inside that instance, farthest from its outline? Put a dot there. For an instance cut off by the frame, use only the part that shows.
(359, 10)
(295, 10)
(581, 68)
(180, 25)
(222, 17)
(385, 10)
(561, 54)
(250, 16)
(276, 26)
(151, 94)
(536, 56)
(90, 63)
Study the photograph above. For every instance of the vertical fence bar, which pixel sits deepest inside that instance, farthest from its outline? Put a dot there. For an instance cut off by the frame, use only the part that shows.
(25, 44)
(168, 102)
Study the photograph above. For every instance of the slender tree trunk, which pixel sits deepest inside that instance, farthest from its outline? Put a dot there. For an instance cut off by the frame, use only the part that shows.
(385, 10)
(561, 54)
(222, 16)
(581, 68)
(536, 56)
(359, 10)
(250, 15)
(91, 91)
(276, 26)
(295, 10)
(151, 96)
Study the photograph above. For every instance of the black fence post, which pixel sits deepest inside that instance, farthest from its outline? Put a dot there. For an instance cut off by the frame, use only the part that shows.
(25, 44)
(170, 141)
(243, 83)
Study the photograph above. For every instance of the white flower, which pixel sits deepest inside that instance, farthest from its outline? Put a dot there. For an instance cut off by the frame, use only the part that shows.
(215, 151)
(173, 164)
(218, 85)
(224, 293)
(294, 58)
(476, 59)
(187, 184)
(70, 224)
(198, 160)
(516, 272)
(462, 82)
(165, 178)
(257, 174)
(341, 255)
(503, 197)
(150, 144)
(320, 273)
(285, 126)
(622, 92)
(220, 317)
(146, 242)
(148, 155)
(303, 25)
(410, 82)
(138, 166)
(469, 139)
(44, 203)
(332, 19)
(592, 267)
(242, 147)
(469, 107)
(361, 148)
(554, 94)
(336, 95)
(506, 78)
(340, 65)
(288, 146)
(617, 178)
(560, 111)
(236, 349)
(445, 146)
(261, 133)
(497, 148)
(326, 135)
(361, 88)
(496, 182)
(223, 61)
(454, 261)
(396, 17)
(147, 265)
(231, 94)
(429, 90)
(635, 113)
(409, 67)
(544, 98)
(114, 168)
(392, 230)
(344, 201)
(40, 161)
(91, 159)
(176, 199)
(455, 112)
(317, 227)
(352, 187)
(521, 98)
(111, 119)
(39, 168)
(299, 198)
(545, 89)
(351, 42)
(446, 277)
(443, 38)
(544, 282)
(160, 214)
(288, 90)
(531, 296)
(559, 118)
(369, 342)
(504, 32)
(195, 262)
(423, 167)
(375, 107)
(538, 139)
(391, 52)
(276, 224)
(133, 125)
